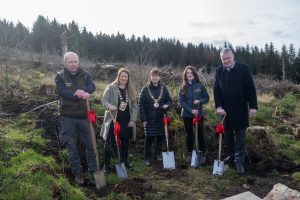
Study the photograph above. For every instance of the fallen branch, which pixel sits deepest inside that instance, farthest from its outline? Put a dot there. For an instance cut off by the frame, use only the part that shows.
(49, 103)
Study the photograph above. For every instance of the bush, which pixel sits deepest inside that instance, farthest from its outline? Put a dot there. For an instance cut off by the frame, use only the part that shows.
(287, 105)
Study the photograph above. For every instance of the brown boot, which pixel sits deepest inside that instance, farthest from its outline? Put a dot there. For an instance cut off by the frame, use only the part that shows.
(79, 179)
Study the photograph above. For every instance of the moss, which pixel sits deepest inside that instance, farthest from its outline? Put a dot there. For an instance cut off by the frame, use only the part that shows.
(31, 176)
(288, 147)
(296, 177)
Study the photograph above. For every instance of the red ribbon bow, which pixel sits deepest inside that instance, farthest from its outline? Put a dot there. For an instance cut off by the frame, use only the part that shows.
(196, 119)
(220, 129)
(92, 116)
(166, 120)
(117, 129)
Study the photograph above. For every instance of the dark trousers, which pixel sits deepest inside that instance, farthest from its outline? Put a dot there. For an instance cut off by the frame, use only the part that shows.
(110, 146)
(148, 145)
(188, 124)
(235, 142)
(69, 130)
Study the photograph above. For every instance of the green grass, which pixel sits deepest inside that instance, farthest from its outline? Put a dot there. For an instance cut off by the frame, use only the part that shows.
(287, 105)
(290, 147)
(31, 175)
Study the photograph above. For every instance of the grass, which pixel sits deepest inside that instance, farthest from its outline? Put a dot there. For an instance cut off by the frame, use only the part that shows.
(290, 147)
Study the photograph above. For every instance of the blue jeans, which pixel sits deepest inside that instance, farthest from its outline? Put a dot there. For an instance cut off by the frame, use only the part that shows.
(235, 142)
(69, 128)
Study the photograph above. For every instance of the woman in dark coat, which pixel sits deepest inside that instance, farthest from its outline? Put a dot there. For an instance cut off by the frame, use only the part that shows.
(153, 103)
(192, 95)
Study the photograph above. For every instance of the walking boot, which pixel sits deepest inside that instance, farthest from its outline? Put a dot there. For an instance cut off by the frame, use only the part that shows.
(188, 158)
(79, 179)
(240, 169)
(228, 160)
(106, 169)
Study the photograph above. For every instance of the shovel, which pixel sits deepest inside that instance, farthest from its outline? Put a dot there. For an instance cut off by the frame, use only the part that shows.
(120, 167)
(195, 161)
(99, 174)
(218, 169)
(168, 157)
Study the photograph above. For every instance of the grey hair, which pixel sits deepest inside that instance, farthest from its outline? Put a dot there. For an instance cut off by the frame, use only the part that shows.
(225, 50)
(68, 54)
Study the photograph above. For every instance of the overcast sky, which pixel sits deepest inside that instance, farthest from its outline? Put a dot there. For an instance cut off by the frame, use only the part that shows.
(255, 22)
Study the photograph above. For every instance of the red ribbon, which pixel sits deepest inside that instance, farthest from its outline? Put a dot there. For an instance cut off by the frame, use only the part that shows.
(166, 120)
(220, 129)
(92, 116)
(117, 129)
(196, 119)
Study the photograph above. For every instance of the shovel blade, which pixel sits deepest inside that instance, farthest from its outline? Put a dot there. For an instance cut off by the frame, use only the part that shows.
(168, 160)
(99, 179)
(121, 170)
(195, 159)
(218, 169)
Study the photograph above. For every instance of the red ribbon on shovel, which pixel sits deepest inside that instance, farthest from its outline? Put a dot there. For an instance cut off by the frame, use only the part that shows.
(196, 119)
(92, 116)
(117, 129)
(166, 120)
(220, 129)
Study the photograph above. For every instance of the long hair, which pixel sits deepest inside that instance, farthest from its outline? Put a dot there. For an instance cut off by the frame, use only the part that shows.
(184, 79)
(129, 85)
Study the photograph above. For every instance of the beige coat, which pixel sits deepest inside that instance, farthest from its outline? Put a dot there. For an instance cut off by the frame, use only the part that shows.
(110, 97)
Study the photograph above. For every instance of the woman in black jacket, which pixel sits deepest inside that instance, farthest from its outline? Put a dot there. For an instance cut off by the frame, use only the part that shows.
(192, 95)
(153, 103)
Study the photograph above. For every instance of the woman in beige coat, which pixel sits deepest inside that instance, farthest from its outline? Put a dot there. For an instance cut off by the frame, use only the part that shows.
(119, 99)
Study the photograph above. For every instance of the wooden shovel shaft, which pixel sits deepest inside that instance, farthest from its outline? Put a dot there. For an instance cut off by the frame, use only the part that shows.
(167, 137)
(93, 137)
(196, 136)
(220, 146)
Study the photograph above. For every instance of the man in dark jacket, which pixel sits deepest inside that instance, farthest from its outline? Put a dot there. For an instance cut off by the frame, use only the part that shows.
(235, 96)
(74, 86)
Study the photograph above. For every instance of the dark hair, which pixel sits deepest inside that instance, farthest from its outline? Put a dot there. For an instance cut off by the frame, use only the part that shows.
(184, 79)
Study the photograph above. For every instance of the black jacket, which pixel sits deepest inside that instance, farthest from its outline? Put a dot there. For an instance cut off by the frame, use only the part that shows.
(234, 91)
(149, 113)
(194, 91)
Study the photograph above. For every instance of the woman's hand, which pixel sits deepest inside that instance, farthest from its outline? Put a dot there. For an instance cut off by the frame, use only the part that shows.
(195, 112)
(112, 107)
(131, 123)
(144, 123)
(165, 106)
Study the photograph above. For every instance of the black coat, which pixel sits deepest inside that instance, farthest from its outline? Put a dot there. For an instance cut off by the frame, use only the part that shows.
(149, 113)
(234, 91)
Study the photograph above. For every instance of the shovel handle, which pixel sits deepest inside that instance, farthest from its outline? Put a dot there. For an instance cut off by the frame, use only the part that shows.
(220, 146)
(167, 137)
(93, 136)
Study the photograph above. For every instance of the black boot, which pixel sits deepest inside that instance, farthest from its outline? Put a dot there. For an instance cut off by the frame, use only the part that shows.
(228, 160)
(240, 169)
(106, 169)
(148, 162)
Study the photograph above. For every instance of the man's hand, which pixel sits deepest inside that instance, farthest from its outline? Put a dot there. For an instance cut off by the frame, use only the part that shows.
(79, 93)
(196, 102)
(86, 95)
(221, 111)
(252, 112)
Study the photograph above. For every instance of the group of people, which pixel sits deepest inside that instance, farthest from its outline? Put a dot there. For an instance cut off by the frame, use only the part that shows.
(234, 95)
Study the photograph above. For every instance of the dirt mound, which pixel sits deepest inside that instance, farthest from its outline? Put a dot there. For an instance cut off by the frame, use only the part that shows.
(135, 188)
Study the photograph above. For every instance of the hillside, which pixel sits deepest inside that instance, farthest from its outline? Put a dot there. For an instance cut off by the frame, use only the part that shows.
(33, 165)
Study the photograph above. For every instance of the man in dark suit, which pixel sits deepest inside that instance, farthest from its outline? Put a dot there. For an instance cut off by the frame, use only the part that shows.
(235, 96)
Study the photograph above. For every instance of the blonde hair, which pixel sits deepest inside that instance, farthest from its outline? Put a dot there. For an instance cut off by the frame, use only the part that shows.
(129, 85)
